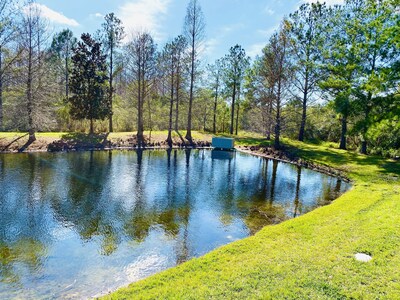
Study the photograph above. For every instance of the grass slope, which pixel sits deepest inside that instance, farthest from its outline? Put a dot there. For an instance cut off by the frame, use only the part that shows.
(310, 257)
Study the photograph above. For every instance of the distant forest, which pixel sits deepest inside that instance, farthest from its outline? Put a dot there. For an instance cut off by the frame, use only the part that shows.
(328, 73)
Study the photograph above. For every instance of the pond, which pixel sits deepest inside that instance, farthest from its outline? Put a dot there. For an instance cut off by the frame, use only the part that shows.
(78, 225)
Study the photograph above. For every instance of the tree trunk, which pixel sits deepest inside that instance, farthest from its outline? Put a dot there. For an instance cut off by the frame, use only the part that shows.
(139, 134)
(363, 147)
(189, 126)
(178, 83)
(91, 126)
(110, 125)
(303, 116)
(29, 96)
(277, 129)
(205, 121)
(343, 133)
(277, 144)
(66, 77)
(215, 110)
(237, 118)
(171, 103)
(269, 122)
(150, 119)
(233, 108)
(364, 143)
(305, 98)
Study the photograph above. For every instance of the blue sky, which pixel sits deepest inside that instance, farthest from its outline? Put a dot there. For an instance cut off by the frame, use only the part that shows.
(228, 22)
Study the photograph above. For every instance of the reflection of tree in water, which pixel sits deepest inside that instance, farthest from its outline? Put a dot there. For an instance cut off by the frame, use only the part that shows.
(87, 205)
(227, 194)
(260, 208)
(262, 211)
(23, 234)
(78, 190)
(145, 217)
(330, 190)
(297, 202)
(24, 251)
(273, 180)
(182, 254)
(95, 215)
(138, 225)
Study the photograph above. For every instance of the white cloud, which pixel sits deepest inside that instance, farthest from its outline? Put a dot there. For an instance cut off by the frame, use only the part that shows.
(328, 2)
(98, 15)
(269, 11)
(267, 33)
(230, 28)
(143, 15)
(256, 49)
(209, 46)
(52, 15)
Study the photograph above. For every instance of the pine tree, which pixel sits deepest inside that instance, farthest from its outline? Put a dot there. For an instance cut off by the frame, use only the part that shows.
(88, 82)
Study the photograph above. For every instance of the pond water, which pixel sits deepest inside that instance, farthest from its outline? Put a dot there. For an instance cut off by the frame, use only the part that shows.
(77, 225)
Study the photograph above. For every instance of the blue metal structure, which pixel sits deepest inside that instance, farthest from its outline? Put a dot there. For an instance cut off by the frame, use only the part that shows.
(223, 143)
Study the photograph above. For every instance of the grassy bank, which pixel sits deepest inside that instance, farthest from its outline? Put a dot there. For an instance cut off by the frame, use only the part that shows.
(310, 257)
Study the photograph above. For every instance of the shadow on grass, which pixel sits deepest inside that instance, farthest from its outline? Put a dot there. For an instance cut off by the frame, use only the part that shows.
(314, 151)
(249, 140)
(5, 148)
(345, 157)
(181, 138)
(27, 144)
(79, 141)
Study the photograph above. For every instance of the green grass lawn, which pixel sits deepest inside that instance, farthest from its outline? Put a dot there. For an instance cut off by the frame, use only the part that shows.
(310, 257)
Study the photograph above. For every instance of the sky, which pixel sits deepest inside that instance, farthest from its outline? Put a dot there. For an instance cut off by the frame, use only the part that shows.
(248, 23)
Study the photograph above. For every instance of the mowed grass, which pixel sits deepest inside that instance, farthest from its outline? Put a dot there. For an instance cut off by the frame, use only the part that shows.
(310, 257)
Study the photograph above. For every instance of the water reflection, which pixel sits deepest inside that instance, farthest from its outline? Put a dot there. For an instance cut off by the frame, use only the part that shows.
(219, 154)
(73, 225)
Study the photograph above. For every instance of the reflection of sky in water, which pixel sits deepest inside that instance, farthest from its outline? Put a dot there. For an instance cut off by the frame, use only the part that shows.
(81, 224)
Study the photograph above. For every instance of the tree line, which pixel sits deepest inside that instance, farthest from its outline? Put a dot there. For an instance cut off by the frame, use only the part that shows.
(328, 73)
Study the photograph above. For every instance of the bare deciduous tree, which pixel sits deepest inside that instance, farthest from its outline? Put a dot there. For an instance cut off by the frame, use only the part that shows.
(32, 40)
(8, 30)
(194, 32)
(141, 60)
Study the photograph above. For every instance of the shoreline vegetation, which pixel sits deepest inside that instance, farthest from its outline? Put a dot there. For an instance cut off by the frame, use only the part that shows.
(320, 262)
